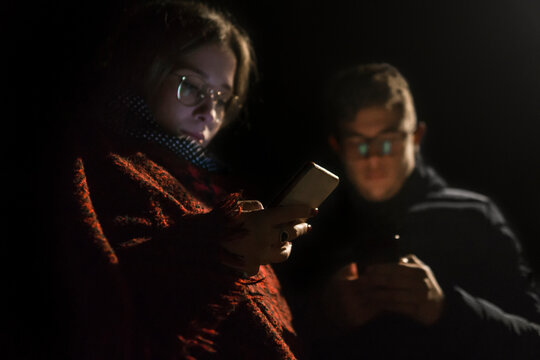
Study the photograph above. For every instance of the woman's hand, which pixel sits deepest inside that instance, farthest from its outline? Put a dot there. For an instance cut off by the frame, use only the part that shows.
(269, 233)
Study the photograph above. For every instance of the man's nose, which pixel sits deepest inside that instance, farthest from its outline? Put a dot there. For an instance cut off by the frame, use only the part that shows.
(373, 158)
(372, 153)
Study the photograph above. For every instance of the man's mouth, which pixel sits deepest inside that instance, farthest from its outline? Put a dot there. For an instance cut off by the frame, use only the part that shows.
(375, 176)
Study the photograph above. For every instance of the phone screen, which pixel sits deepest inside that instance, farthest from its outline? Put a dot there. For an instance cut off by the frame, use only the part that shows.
(310, 186)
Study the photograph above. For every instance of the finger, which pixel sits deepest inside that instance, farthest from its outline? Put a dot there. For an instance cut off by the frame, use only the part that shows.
(405, 260)
(429, 278)
(250, 205)
(390, 297)
(396, 269)
(411, 259)
(301, 229)
(409, 309)
(393, 282)
(391, 268)
(362, 280)
(293, 231)
(348, 272)
(400, 277)
(290, 213)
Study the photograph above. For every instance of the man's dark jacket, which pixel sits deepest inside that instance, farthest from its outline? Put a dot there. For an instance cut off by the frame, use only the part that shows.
(460, 235)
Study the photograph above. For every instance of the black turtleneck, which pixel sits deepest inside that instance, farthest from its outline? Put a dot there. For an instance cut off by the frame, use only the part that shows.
(460, 235)
(371, 231)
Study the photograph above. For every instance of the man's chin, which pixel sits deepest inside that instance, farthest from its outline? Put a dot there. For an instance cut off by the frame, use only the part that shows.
(377, 194)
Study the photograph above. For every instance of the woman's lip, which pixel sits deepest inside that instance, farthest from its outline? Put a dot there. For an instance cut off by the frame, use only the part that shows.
(196, 136)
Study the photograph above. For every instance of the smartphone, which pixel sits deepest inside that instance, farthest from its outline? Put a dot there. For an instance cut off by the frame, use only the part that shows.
(311, 185)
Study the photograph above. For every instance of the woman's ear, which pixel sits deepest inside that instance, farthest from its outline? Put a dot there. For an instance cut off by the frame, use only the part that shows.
(334, 145)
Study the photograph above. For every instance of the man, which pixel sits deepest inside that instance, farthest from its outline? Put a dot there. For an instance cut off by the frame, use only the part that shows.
(400, 263)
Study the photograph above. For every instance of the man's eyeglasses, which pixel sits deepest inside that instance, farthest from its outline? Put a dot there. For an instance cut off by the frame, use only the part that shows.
(192, 90)
(386, 144)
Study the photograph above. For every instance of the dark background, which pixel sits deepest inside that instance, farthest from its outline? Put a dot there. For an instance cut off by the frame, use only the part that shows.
(473, 66)
(474, 70)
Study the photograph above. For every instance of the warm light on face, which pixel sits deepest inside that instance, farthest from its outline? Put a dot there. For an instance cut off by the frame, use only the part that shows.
(191, 100)
(377, 173)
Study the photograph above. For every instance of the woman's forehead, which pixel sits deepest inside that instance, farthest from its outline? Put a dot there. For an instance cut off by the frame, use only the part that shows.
(214, 63)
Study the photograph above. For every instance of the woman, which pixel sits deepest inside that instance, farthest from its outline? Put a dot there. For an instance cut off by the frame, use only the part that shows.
(166, 260)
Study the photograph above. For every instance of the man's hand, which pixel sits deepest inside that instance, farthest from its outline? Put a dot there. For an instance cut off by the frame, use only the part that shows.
(347, 301)
(408, 288)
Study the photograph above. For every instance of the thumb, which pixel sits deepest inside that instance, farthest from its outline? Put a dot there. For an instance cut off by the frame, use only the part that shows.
(250, 205)
(347, 272)
(411, 259)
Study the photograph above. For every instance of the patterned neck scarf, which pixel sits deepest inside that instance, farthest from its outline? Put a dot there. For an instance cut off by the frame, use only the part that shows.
(140, 124)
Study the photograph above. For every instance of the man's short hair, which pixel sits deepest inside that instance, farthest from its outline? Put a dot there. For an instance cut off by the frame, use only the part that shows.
(367, 85)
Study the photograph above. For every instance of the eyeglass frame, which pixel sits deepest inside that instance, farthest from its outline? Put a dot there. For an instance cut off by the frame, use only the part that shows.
(369, 140)
(207, 90)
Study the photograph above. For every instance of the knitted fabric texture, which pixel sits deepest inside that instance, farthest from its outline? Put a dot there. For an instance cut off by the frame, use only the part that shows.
(155, 221)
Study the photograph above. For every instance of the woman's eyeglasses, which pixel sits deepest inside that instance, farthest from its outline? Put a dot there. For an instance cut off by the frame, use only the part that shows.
(192, 91)
(386, 144)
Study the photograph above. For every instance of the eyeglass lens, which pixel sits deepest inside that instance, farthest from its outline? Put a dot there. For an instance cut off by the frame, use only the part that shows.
(192, 91)
(383, 145)
(380, 148)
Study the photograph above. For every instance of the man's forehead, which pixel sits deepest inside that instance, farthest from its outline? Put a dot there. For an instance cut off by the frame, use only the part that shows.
(348, 132)
(376, 120)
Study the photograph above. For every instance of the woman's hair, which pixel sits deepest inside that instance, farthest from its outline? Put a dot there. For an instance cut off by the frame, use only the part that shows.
(153, 37)
(363, 86)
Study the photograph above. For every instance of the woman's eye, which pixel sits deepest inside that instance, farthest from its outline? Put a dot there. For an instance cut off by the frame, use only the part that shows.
(189, 88)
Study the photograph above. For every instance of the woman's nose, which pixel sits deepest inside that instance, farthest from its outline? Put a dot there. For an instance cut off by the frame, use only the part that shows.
(206, 111)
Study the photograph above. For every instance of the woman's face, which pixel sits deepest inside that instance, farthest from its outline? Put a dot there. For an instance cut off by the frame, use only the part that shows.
(211, 68)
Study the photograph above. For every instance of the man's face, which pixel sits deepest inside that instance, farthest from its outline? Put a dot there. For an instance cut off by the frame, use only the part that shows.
(377, 150)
